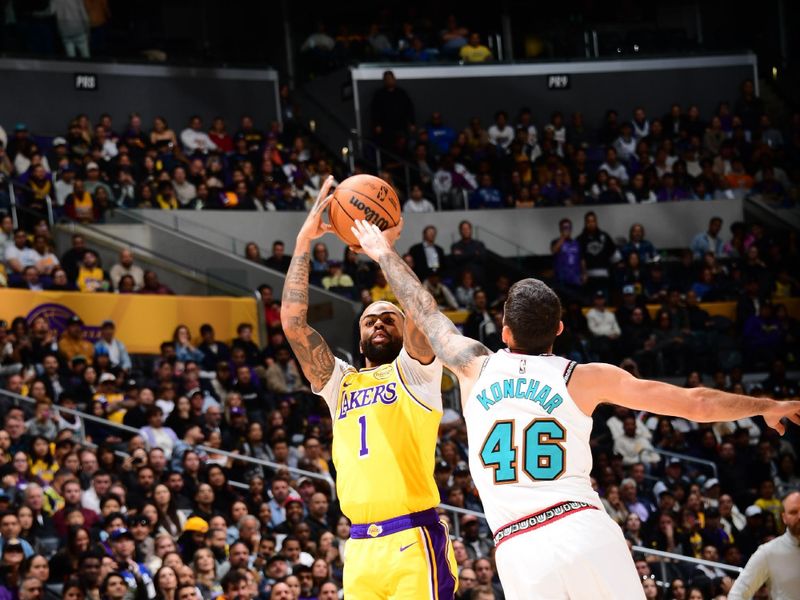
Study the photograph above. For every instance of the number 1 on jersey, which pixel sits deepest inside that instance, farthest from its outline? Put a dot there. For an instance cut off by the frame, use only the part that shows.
(362, 421)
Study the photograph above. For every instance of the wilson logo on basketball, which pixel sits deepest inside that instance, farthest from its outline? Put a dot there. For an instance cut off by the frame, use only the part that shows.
(370, 216)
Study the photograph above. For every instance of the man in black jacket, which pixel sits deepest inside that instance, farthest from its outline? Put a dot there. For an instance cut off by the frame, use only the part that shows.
(427, 255)
(599, 252)
(469, 253)
(213, 350)
(392, 111)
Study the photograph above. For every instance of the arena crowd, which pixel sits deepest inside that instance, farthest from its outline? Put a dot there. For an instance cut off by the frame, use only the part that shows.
(164, 508)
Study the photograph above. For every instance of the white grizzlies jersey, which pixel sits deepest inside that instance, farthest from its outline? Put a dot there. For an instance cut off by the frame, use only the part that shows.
(528, 440)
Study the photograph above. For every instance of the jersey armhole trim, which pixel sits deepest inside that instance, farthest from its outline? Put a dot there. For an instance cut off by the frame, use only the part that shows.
(334, 409)
(569, 370)
(407, 388)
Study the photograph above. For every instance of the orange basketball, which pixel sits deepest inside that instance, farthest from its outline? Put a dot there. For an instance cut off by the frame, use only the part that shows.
(366, 198)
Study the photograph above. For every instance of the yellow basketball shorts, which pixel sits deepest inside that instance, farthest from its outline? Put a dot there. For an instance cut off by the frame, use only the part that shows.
(407, 558)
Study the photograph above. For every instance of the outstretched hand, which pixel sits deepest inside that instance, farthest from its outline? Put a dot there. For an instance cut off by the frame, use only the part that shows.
(374, 242)
(391, 235)
(314, 226)
(785, 408)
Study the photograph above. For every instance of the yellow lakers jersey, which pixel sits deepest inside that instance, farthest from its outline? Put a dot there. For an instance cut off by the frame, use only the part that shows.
(385, 426)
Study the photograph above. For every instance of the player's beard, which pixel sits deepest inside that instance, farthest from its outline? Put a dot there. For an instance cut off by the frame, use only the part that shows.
(381, 354)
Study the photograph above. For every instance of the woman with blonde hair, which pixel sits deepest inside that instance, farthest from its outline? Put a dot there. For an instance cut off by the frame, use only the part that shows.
(205, 568)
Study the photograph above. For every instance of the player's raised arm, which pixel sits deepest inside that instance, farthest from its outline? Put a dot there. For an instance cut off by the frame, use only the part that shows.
(459, 353)
(595, 383)
(314, 355)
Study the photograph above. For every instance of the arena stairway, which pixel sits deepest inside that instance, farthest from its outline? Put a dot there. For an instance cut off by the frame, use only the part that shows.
(212, 254)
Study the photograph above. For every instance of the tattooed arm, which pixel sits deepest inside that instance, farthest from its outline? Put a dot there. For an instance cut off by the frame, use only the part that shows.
(312, 352)
(414, 340)
(461, 354)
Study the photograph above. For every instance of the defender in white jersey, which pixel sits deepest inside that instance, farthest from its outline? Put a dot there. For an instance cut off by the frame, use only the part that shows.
(528, 417)
(530, 460)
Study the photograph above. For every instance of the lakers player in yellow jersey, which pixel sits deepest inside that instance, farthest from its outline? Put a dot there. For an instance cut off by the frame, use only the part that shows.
(385, 424)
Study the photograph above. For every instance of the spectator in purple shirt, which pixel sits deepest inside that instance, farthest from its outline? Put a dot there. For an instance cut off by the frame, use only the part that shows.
(567, 260)
(668, 191)
(761, 336)
(557, 191)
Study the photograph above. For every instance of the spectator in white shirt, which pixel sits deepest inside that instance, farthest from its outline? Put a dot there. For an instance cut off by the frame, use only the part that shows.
(556, 125)
(615, 424)
(107, 145)
(614, 167)
(625, 144)
(602, 322)
(195, 139)
(100, 484)
(776, 562)
(604, 327)
(634, 447)
(6, 234)
(641, 126)
(125, 266)
(417, 203)
(46, 261)
(64, 185)
(18, 255)
(501, 133)
(185, 191)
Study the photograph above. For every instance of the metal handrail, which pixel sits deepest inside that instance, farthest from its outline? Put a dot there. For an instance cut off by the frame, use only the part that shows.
(207, 449)
(140, 218)
(521, 250)
(74, 412)
(686, 458)
(231, 241)
(12, 195)
(214, 281)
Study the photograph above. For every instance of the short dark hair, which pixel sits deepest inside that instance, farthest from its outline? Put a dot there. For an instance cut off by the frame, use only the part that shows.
(232, 578)
(532, 312)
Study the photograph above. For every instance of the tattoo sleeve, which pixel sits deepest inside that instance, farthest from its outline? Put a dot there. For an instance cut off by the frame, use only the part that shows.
(313, 354)
(456, 351)
(414, 341)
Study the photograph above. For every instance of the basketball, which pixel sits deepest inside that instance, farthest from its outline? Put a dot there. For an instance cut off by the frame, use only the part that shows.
(363, 197)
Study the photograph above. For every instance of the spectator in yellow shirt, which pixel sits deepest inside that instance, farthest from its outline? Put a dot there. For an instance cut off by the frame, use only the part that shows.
(474, 51)
(769, 503)
(337, 278)
(381, 290)
(72, 343)
(91, 277)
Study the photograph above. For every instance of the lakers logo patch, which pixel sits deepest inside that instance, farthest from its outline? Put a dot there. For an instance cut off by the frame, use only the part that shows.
(383, 372)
